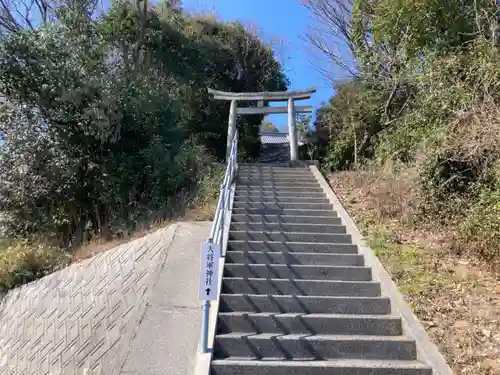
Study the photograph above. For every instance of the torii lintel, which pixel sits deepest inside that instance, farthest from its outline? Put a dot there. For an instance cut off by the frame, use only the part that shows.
(265, 96)
(268, 96)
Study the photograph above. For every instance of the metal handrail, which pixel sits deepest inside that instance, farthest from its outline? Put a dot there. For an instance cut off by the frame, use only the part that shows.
(217, 231)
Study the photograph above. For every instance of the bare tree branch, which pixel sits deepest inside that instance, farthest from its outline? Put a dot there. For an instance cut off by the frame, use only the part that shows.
(8, 23)
(16, 15)
(24, 14)
(332, 31)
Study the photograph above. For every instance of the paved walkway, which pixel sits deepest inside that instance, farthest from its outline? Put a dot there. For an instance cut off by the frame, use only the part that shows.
(86, 319)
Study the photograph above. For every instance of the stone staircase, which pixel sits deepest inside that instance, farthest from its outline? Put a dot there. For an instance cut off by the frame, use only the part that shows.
(274, 153)
(296, 297)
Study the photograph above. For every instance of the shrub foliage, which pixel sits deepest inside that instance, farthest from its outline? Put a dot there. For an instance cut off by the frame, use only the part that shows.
(105, 116)
(424, 94)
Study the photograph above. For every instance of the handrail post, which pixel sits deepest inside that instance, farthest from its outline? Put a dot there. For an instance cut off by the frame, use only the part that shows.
(204, 326)
(221, 237)
(221, 223)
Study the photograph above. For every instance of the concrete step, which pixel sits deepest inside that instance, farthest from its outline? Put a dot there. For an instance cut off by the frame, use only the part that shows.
(313, 324)
(279, 181)
(242, 218)
(331, 367)
(285, 212)
(280, 206)
(271, 169)
(282, 189)
(288, 227)
(298, 272)
(292, 247)
(298, 180)
(278, 174)
(244, 169)
(277, 167)
(279, 199)
(242, 285)
(320, 347)
(278, 185)
(256, 303)
(290, 236)
(266, 257)
(278, 194)
(272, 175)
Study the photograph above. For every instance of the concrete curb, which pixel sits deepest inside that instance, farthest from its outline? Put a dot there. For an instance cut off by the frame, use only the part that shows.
(426, 349)
(202, 366)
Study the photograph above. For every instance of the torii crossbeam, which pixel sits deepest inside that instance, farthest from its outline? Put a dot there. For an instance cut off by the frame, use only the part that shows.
(266, 96)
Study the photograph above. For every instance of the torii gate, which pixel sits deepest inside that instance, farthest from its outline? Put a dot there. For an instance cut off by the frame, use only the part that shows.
(262, 97)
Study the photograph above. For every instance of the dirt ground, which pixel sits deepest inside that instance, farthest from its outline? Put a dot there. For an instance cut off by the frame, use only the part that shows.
(456, 296)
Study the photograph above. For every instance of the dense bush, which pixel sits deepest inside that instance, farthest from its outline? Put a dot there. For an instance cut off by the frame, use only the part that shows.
(482, 224)
(107, 120)
(425, 94)
(21, 263)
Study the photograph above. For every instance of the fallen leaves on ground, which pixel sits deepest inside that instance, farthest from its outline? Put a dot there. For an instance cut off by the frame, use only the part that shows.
(455, 296)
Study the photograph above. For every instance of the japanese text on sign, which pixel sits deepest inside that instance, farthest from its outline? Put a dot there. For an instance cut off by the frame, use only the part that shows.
(209, 271)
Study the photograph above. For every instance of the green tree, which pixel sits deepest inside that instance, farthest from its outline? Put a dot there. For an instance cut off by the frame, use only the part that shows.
(268, 126)
(108, 119)
(424, 97)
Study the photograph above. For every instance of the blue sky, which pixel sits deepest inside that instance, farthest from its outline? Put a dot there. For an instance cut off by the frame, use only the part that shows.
(279, 20)
(283, 23)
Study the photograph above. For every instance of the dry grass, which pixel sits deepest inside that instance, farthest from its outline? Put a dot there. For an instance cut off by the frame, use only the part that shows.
(386, 196)
(474, 136)
(201, 207)
(456, 296)
(98, 246)
(21, 263)
(204, 212)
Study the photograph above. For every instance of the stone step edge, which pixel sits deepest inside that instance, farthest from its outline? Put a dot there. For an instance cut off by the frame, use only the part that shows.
(306, 183)
(289, 232)
(313, 315)
(325, 203)
(266, 265)
(305, 224)
(313, 337)
(297, 183)
(279, 195)
(333, 363)
(281, 189)
(294, 296)
(282, 200)
(267, 223)
(293, 209)
(309, 179)
(251, 252)
(292, 242)
(370, 282)
(277, 176)
(305, 299)
(305, 217)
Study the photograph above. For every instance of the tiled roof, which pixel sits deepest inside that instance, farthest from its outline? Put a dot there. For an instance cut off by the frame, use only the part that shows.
(273, 138)
(276, 138)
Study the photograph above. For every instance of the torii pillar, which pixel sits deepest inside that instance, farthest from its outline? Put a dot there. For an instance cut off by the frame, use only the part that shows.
(260, 97)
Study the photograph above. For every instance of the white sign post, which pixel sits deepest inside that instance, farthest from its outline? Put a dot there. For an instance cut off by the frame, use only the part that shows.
(209, 271)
